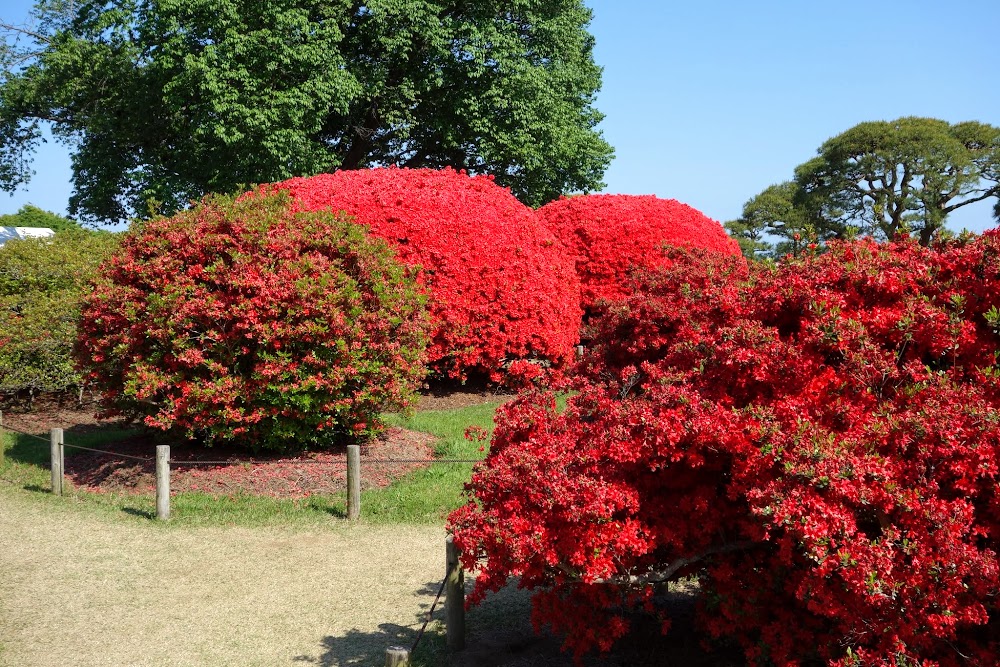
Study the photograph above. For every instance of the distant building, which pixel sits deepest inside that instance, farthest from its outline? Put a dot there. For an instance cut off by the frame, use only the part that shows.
(11, 233)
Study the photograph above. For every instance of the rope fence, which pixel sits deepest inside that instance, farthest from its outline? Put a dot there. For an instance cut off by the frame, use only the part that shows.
(163, 463)
(238, 462)
(452, 587)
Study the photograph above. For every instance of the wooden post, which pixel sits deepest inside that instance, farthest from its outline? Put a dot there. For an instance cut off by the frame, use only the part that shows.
(163, 482)
(3, 440)
(454, 598)
(579, 351)
(397, 656)
(353, 482)
(56, 457)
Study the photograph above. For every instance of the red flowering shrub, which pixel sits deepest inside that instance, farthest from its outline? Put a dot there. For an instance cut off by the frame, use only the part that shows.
(611, 235)
(817, 442)
(249, 322)
(501, 289)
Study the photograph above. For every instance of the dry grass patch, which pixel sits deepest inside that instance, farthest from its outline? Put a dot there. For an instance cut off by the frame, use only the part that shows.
(85, 590)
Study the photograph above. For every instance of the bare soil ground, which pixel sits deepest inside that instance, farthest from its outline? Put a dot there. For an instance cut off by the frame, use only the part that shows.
(233, 471)
(90, 591)
(447, 396)
(86, 590)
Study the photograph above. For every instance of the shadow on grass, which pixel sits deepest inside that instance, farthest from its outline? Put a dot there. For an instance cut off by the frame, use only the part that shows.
(361, 648)
(337, 511)
(498, 632)
(28, 450)
(33, 450)
(142, 514)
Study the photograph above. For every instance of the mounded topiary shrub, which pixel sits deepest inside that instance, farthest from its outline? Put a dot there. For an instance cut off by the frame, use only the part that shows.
(252, 323)
(501, 288)
(612, 235)
(819, 443)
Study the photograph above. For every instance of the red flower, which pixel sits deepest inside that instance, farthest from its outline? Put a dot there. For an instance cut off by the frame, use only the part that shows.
(501, 288)
(612, 235)
(818, 442)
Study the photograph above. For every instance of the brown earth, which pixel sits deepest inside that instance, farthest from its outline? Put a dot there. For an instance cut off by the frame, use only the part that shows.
(221, 470)
(498, 632)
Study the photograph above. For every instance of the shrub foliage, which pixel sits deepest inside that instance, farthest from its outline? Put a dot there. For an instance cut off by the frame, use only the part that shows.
(252, 323)
(818, 442)
(611, 235)
(41, 284)
(501, 288)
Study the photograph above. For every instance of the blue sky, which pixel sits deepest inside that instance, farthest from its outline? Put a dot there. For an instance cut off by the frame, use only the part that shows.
(710, 102)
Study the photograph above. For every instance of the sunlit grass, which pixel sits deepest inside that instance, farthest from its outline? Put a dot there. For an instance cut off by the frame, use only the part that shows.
(425, 495)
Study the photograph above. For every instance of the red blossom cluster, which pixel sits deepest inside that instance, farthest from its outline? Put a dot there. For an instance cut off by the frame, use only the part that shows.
(253, 323)
(818, 442)
(611, 235)
(501, 288)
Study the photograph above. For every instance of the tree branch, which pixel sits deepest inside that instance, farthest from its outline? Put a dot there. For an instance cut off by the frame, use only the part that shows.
(661, 576)
(992, 192)
(363, 141)
(24, 31)
(680, 563)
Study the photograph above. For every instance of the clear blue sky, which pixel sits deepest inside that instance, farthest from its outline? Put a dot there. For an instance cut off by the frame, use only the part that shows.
(710, 102)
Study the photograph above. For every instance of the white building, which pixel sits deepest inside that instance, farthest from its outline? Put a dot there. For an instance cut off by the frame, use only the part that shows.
(10, 233)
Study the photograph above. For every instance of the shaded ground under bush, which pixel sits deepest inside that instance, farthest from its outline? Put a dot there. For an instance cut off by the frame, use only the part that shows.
(499, 631)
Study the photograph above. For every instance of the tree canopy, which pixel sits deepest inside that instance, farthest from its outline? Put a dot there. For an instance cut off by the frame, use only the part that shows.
(32, 216)
(879, 179)
(164, 100)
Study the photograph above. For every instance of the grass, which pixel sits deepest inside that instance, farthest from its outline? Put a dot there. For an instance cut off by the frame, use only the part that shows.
(242, 579)
(419, 502)
(425, 496)
(428, 495)
(91, 590)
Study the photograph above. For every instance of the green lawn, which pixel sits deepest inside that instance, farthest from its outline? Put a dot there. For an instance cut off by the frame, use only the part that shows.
(421, 498)
(424, 496)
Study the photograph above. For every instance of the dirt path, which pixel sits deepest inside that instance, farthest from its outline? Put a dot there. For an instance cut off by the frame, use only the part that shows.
(81, 590)
(85, 590)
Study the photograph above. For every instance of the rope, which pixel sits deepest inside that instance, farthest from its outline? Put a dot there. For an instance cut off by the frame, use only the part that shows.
(224, 463)
(364, 460)
(320, 463)
(144, 459)
(30, 435)
(431, 612)
(87, 449)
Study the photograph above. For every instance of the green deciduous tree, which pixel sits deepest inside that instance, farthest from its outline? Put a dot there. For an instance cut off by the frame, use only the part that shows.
(32, 216)
(879, 179)
(164, 100)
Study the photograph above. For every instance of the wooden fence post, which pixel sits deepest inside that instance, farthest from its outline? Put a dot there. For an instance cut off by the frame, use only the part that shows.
(3, 440)
(353, 482)
(57, 459)
(454, 600)
(163, 482)
(397, 656)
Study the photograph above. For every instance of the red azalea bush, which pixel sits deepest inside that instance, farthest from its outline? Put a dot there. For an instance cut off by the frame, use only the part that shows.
(501, 288)
(253, 323)
(611, 235)
(817, 442)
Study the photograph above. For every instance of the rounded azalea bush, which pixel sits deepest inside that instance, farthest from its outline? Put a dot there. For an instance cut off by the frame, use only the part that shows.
(612, 235)
(251, 323)
(818, 443)
(502, 291)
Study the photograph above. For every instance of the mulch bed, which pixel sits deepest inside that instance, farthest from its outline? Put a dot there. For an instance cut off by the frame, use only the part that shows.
(223, 471)
(235, 471)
